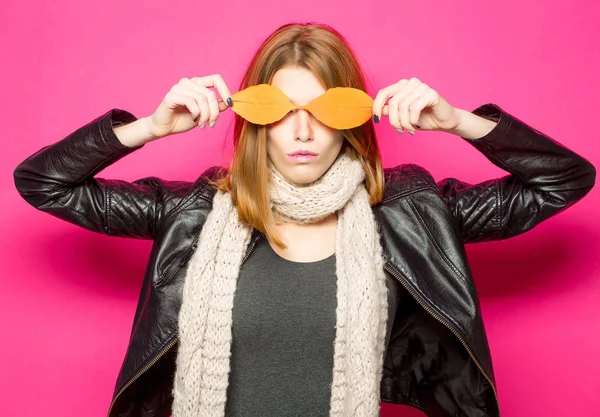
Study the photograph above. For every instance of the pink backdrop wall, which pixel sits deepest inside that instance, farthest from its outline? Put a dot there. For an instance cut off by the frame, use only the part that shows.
(68, 295)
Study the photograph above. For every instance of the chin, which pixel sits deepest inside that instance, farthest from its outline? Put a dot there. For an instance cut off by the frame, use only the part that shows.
(302, 174)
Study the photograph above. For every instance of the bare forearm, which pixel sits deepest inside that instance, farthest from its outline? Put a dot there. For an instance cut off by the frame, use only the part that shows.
(472, 126)
(135, 133)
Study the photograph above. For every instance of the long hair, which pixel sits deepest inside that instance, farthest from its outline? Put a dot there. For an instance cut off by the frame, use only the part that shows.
(323, 51)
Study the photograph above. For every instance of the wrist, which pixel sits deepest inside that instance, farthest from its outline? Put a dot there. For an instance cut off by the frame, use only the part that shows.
(470, 126)
(136, 133)
(459, 123)
(148, 129)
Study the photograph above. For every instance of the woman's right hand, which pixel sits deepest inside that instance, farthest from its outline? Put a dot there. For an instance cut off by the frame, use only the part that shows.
(188, 104)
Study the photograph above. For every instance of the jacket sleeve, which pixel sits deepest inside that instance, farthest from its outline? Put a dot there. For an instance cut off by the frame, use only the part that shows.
(544, 179)
(59, 179)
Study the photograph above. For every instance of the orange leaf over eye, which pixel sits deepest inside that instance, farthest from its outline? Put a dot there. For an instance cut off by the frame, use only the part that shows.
(338, 107)
(342, 107)
(261, 104)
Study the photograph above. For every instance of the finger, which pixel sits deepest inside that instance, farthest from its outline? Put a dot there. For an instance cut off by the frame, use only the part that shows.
(410, 86)
(213, 106)
(394, 117)
(196, 89)
(202, 118)
(404, 117)
(404, 106)
(222, 88)
(386, 110)
(204, 110)
(405, 102)
(222, 105)
(216, 107)
(384, 94)
(182, 100)
(200, 98)
(395, 110)
(417, 107)
(217, 81)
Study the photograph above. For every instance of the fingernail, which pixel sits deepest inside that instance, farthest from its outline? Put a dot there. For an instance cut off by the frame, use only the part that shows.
(212, 124)
(230, 102)
(202, 125)
(400, 130)
(412, 132)
(376, 119)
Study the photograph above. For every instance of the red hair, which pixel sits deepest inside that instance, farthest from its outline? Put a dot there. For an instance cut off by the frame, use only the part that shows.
(323, 51)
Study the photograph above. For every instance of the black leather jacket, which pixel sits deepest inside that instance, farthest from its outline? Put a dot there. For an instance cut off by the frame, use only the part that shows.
(437, 355)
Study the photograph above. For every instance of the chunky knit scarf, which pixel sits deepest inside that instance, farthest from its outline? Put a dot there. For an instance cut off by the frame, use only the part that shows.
(205, 318)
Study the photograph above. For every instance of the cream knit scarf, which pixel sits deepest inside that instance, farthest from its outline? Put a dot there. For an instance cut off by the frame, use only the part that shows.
(205, 318)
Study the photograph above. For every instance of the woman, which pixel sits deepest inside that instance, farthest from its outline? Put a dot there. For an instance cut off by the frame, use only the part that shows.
(277, 286)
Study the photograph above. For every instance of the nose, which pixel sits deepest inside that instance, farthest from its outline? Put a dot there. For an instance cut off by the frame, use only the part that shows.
(303, 125)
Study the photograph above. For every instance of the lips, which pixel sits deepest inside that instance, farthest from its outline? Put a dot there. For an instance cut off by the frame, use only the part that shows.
(303, 153)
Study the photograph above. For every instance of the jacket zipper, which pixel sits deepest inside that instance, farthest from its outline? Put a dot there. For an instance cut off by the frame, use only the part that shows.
(165, 349)
(450, 327)
(175, 266)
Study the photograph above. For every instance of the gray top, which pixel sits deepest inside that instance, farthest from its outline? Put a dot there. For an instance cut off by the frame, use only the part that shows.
(283, 334)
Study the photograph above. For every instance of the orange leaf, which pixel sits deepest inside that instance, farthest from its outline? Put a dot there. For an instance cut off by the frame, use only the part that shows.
(261, 104)
(342, 107)
(338, 107)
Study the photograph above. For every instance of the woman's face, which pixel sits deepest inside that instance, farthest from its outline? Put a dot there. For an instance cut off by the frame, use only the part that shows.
(300, 131)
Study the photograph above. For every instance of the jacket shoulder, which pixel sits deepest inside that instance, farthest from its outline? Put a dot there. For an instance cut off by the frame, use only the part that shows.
(404, 179)
(213, 173)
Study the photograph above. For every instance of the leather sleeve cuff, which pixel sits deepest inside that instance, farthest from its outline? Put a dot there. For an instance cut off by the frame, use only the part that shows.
(106, 124)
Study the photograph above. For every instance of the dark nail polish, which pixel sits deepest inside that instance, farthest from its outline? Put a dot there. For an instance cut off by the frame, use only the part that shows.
(229, 102)
(376, 119)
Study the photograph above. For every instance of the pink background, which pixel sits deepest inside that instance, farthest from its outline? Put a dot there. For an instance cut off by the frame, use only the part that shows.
(68, 295)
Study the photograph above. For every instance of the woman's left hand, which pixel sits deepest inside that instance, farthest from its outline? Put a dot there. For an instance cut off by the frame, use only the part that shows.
(413, 104)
